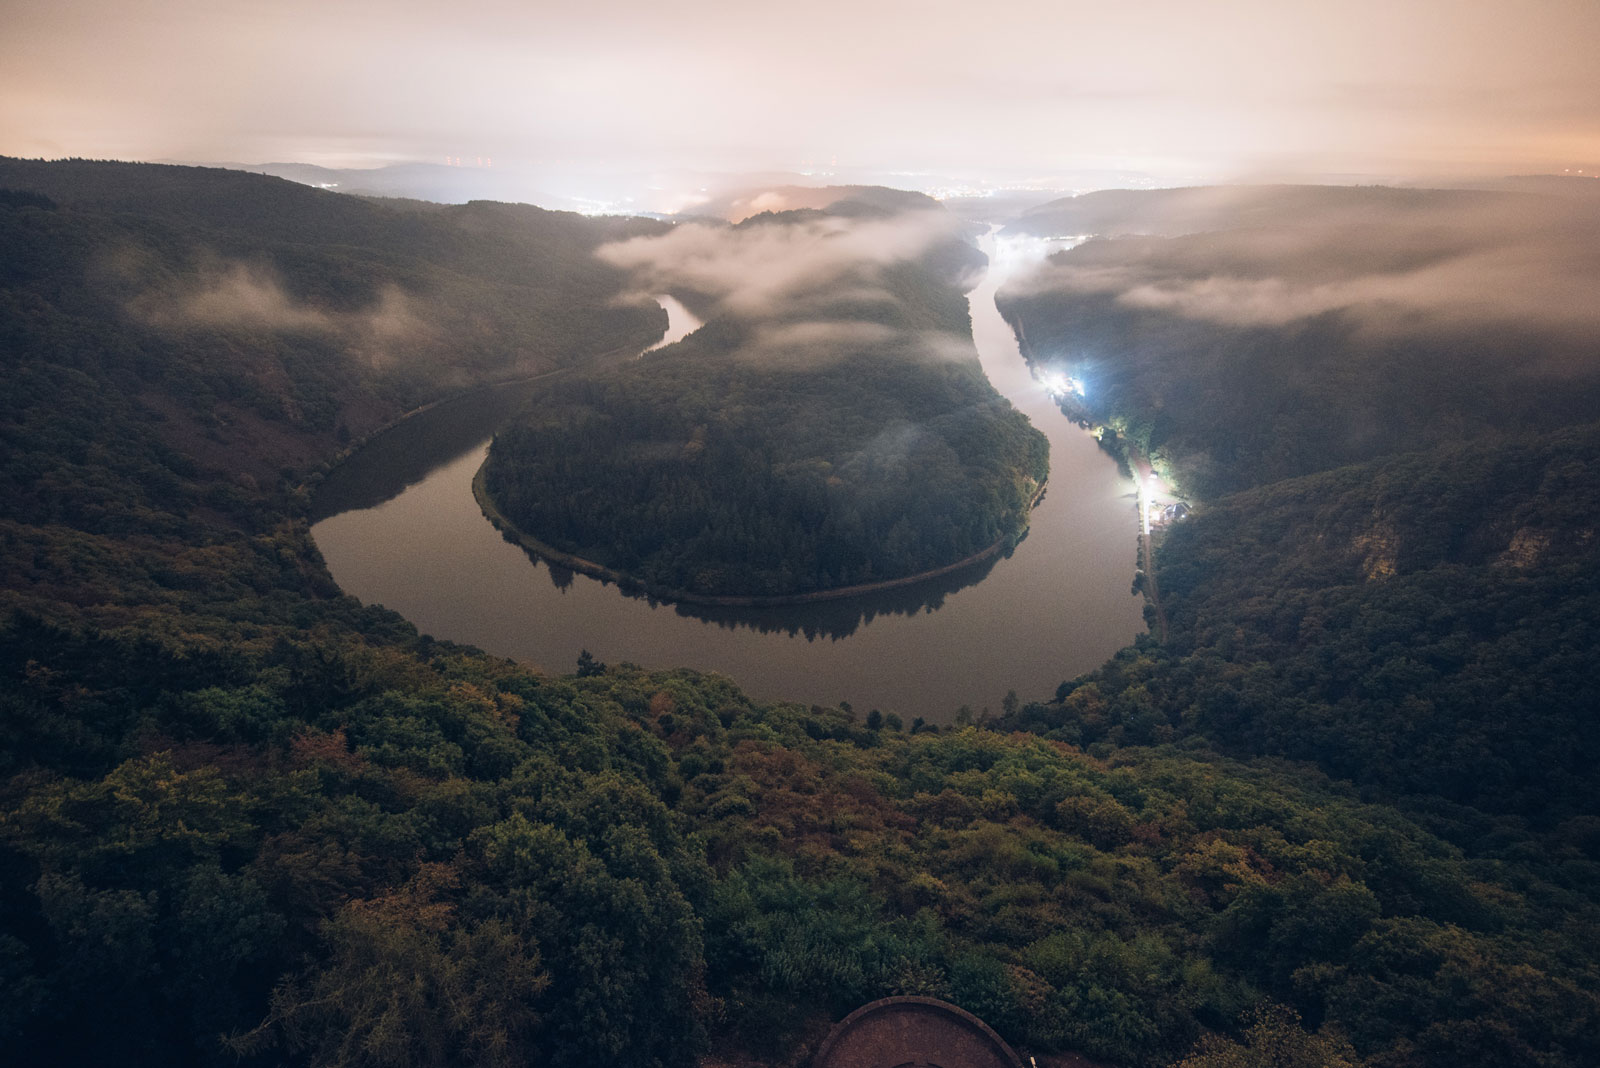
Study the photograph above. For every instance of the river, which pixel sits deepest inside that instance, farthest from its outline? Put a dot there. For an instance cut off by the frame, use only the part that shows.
(398, 526)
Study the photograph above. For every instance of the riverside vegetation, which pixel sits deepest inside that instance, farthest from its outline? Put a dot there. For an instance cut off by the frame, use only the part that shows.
(245, 817)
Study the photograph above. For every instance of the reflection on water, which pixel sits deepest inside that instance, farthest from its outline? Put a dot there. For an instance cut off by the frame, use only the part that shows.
(831, 620)
(681, 322)
(835, 620)
(403, 530)
(406, 453)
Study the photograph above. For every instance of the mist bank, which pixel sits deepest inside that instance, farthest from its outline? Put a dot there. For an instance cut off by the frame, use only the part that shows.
(1202, 208)
(829, 427)
(1307, 328)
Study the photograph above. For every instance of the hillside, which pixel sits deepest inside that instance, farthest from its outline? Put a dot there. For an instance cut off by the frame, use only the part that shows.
(1421, 624)
(1254, 353)
(1388, 418)
(247, 820)
(1417, 620)
(252, 323)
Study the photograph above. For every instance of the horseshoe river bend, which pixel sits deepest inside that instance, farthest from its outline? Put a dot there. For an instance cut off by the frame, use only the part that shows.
(398, 525)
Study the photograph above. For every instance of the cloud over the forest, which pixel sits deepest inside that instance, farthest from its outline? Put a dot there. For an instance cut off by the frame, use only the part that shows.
(1514, 263)
(771, 267)
(230, 295)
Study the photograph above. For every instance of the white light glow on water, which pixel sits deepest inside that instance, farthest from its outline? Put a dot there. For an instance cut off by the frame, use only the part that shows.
(1060, 385)
(681, 322)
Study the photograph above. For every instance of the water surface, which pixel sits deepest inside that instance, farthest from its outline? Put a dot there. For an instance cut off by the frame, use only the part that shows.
(408, 534)
(681, 322)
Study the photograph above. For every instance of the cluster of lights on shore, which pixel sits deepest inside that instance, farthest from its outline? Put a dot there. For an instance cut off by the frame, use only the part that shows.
(1060, 385)
(1151, 488)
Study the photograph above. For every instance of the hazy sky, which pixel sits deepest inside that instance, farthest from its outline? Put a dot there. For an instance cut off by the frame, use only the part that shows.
(1179, 88)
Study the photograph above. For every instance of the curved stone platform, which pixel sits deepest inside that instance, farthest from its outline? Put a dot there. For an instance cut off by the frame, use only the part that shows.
(909, 1032)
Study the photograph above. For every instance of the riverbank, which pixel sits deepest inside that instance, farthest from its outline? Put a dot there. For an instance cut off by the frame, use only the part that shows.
(633, 584)
(1132, 462)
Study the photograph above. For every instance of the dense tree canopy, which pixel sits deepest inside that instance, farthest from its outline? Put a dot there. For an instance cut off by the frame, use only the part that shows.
(783, 450)
(1424, 623)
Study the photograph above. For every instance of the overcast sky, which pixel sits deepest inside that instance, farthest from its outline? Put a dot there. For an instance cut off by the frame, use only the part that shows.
(1201, 88)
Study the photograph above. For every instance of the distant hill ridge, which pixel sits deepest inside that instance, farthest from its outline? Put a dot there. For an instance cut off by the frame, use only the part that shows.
(1197, 209)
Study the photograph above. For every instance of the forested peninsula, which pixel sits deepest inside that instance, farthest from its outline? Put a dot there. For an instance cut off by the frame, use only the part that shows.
(837, 433)
(245, 819)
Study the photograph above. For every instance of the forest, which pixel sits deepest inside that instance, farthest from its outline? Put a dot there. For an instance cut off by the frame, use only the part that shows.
(819, 439)
(1419, 620)
(1286, 330)
(245, 819)
(1418, 624)
(1423, 625)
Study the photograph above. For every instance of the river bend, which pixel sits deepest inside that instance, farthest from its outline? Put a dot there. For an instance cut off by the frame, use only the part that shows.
(402, 529)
